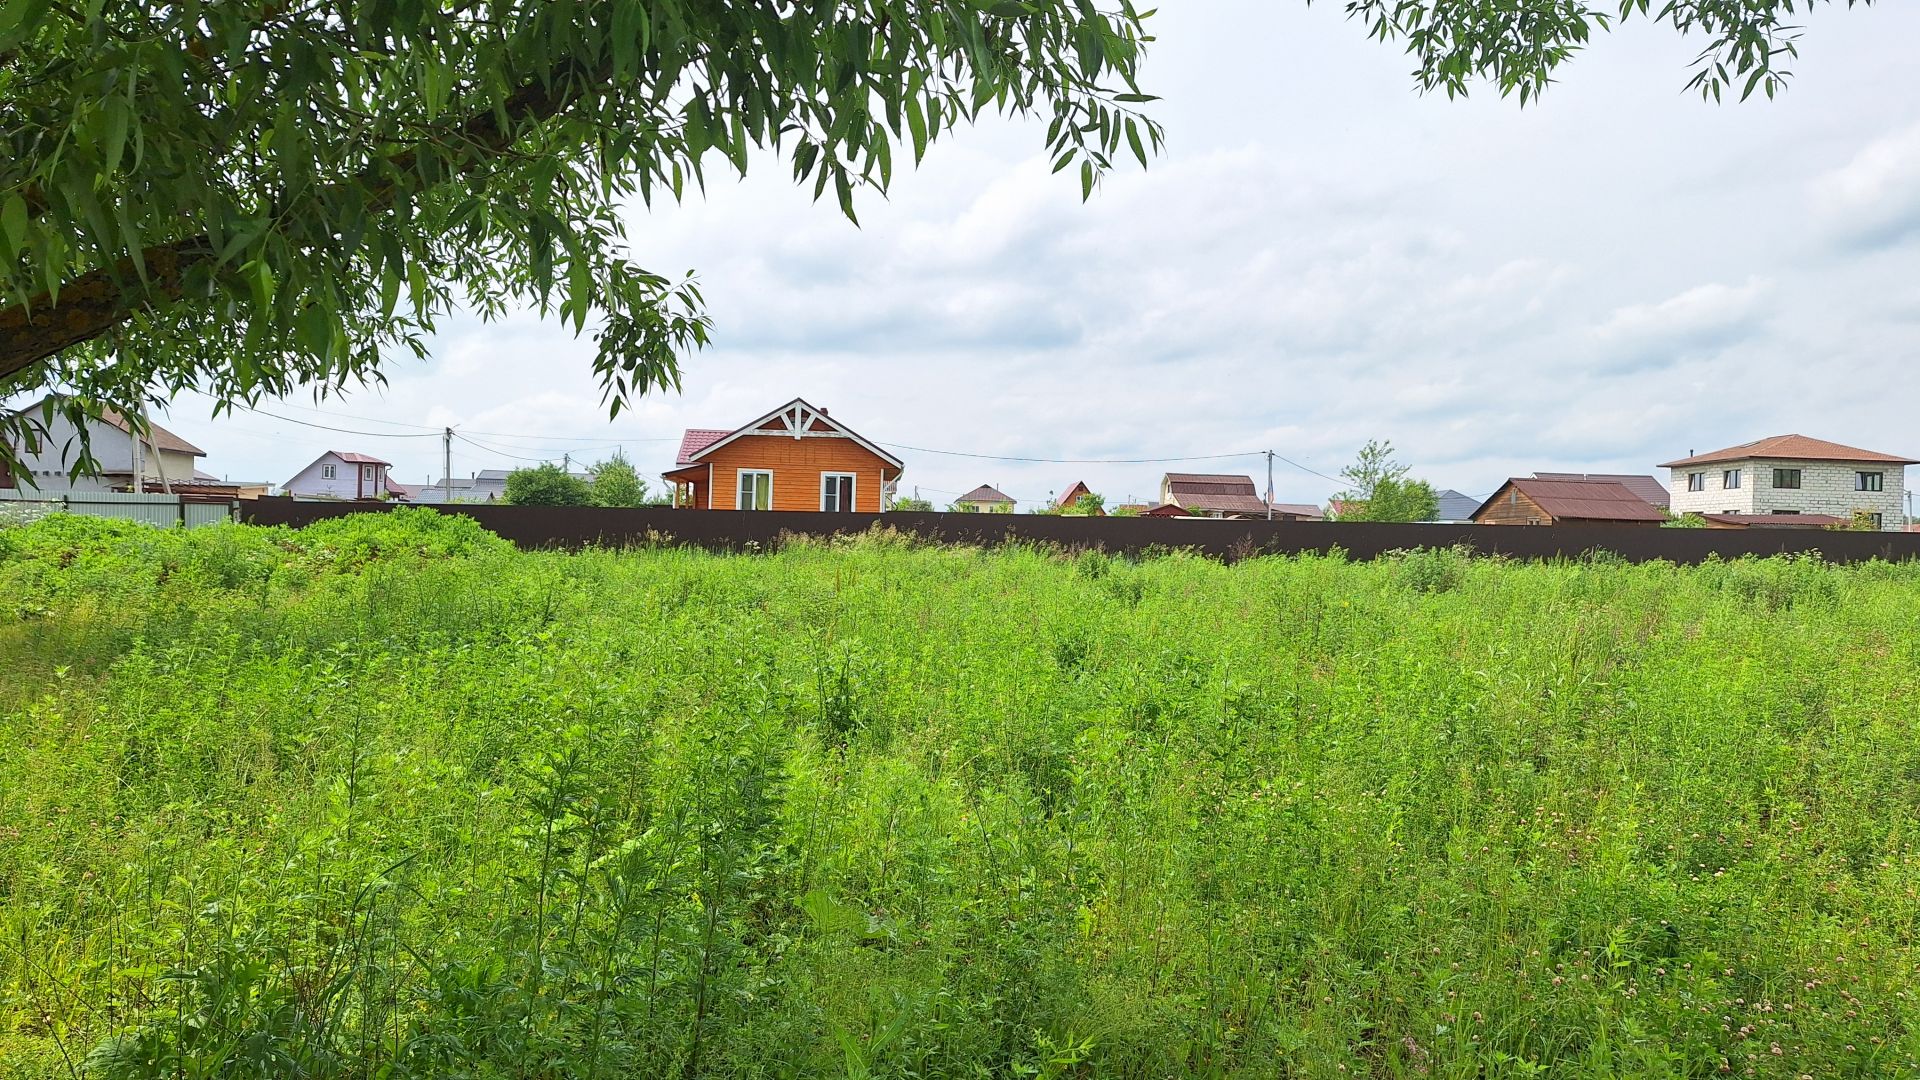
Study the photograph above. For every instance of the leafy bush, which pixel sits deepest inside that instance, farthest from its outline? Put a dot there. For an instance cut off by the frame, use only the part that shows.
(547, 485)
(355, 539)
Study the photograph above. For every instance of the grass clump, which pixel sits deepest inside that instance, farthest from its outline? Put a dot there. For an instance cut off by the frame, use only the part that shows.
(387, 799)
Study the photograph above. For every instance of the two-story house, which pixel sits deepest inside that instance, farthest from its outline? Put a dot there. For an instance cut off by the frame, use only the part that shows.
(339, 475)
(161, 458)
(1791, 474)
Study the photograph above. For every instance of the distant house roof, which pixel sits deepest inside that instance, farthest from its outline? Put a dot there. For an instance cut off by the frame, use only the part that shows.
(160, 437)
(1301, 510)
(985, 493)
(1771, 521)
(1072, 494)
(1790, 447)
(1457, 506)
(1647, 487)
(359, 459)
(696, 440)
(1166, 510)
(1220, 493)
(795, 418)
(1581, 500)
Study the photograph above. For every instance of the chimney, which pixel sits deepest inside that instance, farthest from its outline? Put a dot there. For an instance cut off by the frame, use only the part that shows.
(824, 412)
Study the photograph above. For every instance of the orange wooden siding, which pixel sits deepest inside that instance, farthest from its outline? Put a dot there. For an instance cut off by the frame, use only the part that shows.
(796, 465)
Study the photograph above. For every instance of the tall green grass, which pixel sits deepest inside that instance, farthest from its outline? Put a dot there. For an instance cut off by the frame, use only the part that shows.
(384, 798)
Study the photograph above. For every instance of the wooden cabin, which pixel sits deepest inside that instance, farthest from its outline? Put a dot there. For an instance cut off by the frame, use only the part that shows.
(796, 457)
(1529, 501)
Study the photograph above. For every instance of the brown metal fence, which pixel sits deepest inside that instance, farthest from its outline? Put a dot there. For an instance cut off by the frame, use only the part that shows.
(733, 530)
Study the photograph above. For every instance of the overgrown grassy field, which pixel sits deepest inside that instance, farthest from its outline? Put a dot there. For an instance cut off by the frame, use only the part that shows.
(384, 798)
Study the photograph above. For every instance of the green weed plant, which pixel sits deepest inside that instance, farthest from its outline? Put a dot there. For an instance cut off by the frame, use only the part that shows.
(384, 798)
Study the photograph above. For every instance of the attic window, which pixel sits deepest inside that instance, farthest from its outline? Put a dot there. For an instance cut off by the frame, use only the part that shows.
(327, 472)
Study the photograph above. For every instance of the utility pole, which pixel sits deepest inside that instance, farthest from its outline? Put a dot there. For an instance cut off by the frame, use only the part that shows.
(446, 462)
(1269, 485)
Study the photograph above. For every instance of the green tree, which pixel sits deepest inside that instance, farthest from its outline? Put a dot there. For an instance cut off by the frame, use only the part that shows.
(912, 505)
(253, 197)
(247, 198)
(547, 485)
(1088, 505)
(1379, 490)
(617, 483)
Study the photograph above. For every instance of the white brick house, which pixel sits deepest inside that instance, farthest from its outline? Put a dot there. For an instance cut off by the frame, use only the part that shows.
(1791, 474)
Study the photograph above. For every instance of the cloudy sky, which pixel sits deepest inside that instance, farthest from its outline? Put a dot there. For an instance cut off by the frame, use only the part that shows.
(1601, 282)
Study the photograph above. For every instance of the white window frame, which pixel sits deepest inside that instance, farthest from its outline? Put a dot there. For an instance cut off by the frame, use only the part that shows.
(366, 472)
(853, 487)
(740, 488)
(328, 472)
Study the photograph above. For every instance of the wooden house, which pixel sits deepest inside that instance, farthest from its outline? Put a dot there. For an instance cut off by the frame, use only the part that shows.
(1530, 501)
(796, 457)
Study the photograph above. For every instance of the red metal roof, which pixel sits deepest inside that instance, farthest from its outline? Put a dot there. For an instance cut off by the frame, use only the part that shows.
(1790, 447)
(698, 439)
(1072, 494)
(1583, 500)
(1646, 487)
(359, 459)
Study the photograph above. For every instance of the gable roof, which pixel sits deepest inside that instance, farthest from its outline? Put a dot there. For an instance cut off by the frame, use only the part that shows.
(1581, 500)
(1790, 446)
(697, 439)
(1300, 510)
(1457, 506)
(1072, 494)
(1223, 493)
(985, 493)
(798, 417)
(1647, 487)
(161, 438)
(358, 459)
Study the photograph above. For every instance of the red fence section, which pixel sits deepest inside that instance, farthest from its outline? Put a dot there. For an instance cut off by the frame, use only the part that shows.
(734, 530)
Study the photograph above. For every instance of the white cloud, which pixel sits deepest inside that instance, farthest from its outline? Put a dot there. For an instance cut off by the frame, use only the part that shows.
(1874, 199)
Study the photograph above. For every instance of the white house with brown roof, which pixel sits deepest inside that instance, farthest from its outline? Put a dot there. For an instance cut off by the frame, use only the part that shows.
(340, 475)
(985, 499)
(1791, 474)
(161, 457)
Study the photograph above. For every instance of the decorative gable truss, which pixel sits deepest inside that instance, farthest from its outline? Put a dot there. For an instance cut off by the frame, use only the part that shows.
(801, 421)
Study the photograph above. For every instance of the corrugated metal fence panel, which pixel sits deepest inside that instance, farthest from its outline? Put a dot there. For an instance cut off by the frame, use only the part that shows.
(735, 530)
(200, 513)
(153, 509)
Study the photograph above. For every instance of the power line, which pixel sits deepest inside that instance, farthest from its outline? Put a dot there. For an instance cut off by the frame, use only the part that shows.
(348, 431)
(1073, 461)
(502, 453)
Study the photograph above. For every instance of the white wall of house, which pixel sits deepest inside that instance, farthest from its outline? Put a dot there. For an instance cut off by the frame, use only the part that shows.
(346, 481)
(1826, 487)
(52, 465)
